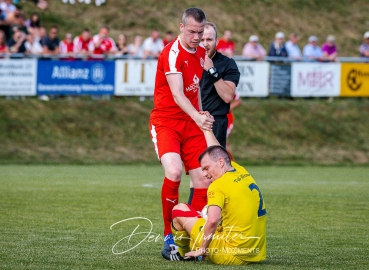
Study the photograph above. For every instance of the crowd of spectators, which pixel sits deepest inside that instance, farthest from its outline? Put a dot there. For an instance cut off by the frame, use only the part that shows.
(28, 36)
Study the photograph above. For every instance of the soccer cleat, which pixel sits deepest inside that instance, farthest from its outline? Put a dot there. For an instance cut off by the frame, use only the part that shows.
(170, 251)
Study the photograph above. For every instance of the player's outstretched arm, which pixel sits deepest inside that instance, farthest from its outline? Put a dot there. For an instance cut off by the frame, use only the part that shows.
(175, 82)
(210, 138)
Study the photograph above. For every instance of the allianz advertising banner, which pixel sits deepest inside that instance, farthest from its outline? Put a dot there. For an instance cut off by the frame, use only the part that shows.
(354, 80)
(75, 77)
(254, 79)
(135, 77)
(315, 79)
(18, 77)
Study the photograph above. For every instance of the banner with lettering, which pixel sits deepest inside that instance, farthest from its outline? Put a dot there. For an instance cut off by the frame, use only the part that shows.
(354, 80)
(75, 77)
(18, 77)
(315, 79)
(135, 77)
(280, 79)
(254, 79)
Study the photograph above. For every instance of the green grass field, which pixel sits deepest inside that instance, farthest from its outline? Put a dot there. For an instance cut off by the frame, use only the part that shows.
(59, 217)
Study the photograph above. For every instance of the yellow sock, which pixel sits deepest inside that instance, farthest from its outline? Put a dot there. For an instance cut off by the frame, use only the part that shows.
(182, 240)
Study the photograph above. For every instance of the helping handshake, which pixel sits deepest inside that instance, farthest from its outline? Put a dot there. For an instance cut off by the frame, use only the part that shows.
(204, 120)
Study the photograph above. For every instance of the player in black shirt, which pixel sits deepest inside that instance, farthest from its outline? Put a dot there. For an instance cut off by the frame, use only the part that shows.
(218, 84)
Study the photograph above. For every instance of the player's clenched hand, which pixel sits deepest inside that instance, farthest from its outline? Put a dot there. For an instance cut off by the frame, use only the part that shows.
(204, 120)
(208, 63)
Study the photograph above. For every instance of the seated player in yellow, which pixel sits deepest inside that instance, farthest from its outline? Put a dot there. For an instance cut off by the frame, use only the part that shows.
(233, 232)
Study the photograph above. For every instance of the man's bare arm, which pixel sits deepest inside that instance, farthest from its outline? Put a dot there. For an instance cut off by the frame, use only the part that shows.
(209, 230)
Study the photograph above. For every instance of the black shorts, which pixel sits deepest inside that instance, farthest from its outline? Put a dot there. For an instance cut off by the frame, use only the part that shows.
(220, 129)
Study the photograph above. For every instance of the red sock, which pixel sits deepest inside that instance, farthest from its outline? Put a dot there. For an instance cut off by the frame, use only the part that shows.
(199, 199)
(169, 198)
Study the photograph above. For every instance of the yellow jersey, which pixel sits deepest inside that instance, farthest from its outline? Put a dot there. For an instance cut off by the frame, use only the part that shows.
(243, 214)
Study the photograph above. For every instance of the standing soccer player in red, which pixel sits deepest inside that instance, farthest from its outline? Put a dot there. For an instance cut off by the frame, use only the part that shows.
(175, 122)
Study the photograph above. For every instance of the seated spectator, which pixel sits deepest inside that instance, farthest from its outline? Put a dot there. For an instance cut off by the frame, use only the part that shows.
(19, 22)
(292, 48)
(153, 45)
(41, 4)
(33, 45)
(104, 44)
(168, 38)
(42, 34)
(66, 46)
(253, 49)
(34, 24)
(329, 49)
(364, 47)
(7, 8)
(122, 45)
(136, 48)
(4, 26)
(226, 45)
(277, 48)
(3, 46)
(312, 51)
(16, 44)
(50, 43)
(83, 44)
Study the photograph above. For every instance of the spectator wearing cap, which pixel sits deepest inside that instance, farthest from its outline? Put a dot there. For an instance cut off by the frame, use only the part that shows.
(253, 49)
(364, 47)
(277, 47)
(312, 51)
(292, 48)
(329, 49)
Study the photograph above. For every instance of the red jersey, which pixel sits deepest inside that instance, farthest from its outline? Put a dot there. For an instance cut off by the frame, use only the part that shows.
(2, 48)
(65, 47)
(176, 59)
(106, 45)
(225, 46)
(81, 45)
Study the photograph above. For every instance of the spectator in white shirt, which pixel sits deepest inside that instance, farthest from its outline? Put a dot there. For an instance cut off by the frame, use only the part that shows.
(153, 45)
(136, 48)
(33, 45)
(312, 51)
(292, 48)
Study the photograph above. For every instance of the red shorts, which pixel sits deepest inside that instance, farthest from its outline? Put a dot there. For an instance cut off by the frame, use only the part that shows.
(178, 136)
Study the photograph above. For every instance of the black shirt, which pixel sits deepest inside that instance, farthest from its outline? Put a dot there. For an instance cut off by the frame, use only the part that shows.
(22, 47)
(210, 99)
(50, 43)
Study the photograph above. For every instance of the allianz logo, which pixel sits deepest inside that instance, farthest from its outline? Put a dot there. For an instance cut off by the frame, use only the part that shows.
(97, 73)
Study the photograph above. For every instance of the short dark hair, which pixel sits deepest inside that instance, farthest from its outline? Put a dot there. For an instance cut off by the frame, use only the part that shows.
(195, 13)
(210, 24)
(215, 152)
